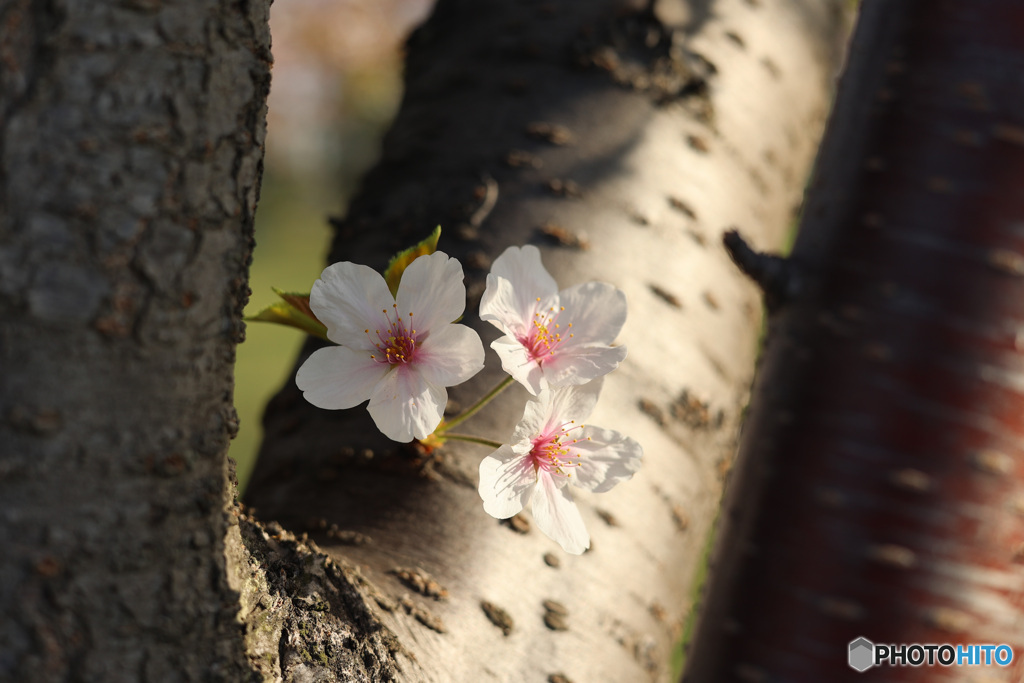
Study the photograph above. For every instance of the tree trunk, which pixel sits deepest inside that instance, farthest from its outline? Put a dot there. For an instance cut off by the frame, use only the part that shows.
(131, 141)
(880, 487)
(626, 142)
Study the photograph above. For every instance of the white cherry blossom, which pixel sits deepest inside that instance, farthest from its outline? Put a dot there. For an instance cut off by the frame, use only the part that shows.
(550, 449)
(400, 352)
(552, 338)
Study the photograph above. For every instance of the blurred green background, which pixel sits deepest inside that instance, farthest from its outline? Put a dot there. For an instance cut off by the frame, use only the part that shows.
(336, 86)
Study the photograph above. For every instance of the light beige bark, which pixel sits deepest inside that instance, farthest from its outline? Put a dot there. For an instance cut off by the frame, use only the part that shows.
(660, 175)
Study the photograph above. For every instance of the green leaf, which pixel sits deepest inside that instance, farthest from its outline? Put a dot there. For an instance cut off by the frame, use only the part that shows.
(293, 311)
(401, 260)
(297, 300)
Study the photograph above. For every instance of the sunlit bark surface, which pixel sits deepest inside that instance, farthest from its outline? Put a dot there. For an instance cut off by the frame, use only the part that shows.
(624, 144)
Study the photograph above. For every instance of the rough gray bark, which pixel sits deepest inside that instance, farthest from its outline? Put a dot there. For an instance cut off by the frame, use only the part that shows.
(880, 486)
(631, 143)
(130, 153)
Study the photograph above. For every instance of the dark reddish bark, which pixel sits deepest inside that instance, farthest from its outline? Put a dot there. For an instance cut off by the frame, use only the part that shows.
(880, 485)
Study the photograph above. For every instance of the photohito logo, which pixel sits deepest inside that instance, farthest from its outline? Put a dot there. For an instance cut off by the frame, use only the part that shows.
(863, 654)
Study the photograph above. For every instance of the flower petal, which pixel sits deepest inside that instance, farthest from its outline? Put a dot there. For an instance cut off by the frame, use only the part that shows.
(531, 426)
(405, 406)
(559, 405)
(450, 355)
(507, 480)
(557, 515)
(597, 311)
(517, 279)
(349, 298)
(574, 365)
(338, 377)
(523, 267)
(433, 290)
(516, 362)
(500, 305)
(606, 459)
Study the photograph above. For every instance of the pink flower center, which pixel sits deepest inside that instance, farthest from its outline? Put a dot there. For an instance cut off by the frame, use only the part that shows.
(397, 343)
(553, 452)
(545, 334)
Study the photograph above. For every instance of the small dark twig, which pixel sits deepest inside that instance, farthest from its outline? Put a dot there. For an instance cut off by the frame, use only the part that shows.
(777, 276)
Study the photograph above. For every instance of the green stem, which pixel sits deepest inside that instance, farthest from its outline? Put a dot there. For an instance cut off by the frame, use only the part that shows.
(473, 439)
(469, 412)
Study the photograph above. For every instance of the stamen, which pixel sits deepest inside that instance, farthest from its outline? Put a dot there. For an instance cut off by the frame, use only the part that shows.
(545, 335)
(554, 452)
(398, 344)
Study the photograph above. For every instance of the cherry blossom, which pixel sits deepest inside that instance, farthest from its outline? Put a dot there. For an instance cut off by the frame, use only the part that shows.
(552, 338)
(400, 352)
(550, 449)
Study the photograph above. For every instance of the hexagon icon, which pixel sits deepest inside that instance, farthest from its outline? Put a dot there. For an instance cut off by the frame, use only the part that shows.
(862, 654)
